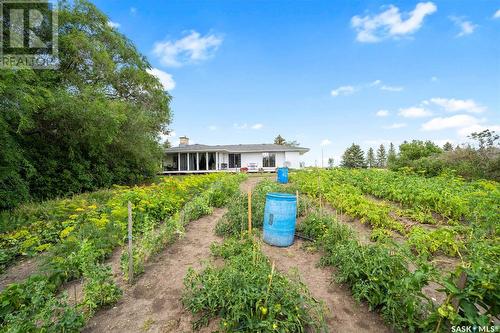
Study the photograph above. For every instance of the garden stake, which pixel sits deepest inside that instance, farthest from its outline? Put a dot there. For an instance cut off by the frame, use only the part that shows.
(130, 252)
(249, 211)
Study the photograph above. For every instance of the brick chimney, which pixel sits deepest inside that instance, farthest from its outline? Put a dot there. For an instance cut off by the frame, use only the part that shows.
(183, 141)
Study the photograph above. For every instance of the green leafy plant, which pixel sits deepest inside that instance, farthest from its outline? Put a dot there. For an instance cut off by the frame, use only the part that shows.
(248, 294)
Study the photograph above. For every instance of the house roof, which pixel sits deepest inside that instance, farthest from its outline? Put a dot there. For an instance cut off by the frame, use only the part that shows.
(242, 148)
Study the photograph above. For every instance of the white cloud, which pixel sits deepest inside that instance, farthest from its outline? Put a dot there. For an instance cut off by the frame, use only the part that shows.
(466, 27)
(114, 25)
(464, 132)
(414, 112)
(133, 10)
(391, 88)
(192, 48)
(378, 83)
(497, 14)
(395, 126)
(212, 128)
(458, 121)
(240, 126)
(325, 142)
(256, 126)
(343, 90)
(382, 113)
(389, 23)
(166, 79)
(456, 105)
(434, 79)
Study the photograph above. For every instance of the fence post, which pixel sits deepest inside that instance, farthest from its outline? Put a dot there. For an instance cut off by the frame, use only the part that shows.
(130, 252)
(249, 211)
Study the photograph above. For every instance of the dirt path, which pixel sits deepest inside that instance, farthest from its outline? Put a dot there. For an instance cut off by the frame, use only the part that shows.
(344, 313)
(19, 271)
(153, 303)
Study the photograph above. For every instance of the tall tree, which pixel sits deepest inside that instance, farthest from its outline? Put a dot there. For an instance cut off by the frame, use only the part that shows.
(92, 123)
(353, 157)
(370, 158)
(279, 140)
(447, 146)
(331, 162)
(391, 155)
(381, 157)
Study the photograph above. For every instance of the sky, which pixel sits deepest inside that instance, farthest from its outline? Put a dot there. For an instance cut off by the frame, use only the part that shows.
(324, 73)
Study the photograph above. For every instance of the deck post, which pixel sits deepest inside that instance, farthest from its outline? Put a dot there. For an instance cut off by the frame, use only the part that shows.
(217, 160)
(206, 161)
(197, 161)
(187, 154)
(178, 161)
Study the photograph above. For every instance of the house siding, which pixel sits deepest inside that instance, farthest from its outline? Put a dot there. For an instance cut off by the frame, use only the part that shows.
(282, 158)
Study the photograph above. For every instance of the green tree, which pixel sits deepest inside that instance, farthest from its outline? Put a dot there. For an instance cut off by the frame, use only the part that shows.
(370, 158)
(353, 157)
(93, 122)
(381, 159)
(279, 140)
(331, 162)
(485, 139)
(447, 146)
(415, 150)
(391, 155)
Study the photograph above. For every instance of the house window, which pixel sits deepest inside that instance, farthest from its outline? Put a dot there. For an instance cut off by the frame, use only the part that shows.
(234, 160)
(203, 161)
(211, 161)
(183, 162)
(268, 160)
(192, 162)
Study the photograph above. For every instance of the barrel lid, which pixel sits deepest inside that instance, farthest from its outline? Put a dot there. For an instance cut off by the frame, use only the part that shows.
(281, 196)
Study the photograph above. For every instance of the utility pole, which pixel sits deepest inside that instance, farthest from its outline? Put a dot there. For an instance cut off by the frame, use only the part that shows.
(322, 159)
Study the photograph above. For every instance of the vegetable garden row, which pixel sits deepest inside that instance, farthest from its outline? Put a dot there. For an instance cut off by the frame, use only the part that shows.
(75, 236)
(390, 275)
(243, 290)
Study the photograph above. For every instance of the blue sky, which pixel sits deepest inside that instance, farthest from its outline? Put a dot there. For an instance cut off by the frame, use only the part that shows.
(324, 73)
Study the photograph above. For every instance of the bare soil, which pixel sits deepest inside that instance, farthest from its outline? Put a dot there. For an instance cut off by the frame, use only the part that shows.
(153, 303)
(20, 271)
(344, 314)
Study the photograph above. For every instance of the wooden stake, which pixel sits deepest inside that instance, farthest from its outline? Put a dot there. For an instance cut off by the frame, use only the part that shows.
(130, 252)
(249, 211)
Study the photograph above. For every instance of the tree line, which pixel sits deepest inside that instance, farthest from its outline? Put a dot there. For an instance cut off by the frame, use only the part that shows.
(91, 123)
(478, 160)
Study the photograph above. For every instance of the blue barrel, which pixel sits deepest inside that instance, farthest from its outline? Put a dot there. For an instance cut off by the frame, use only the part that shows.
(279, 219)
(283, 175)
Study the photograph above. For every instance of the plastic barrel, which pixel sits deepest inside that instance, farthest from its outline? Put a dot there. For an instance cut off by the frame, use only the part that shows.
(282, 175)
(279, 219)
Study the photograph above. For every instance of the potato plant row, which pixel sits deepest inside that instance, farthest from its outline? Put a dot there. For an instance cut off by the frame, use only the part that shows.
(350, 200)
(35, 228)
(35, 304)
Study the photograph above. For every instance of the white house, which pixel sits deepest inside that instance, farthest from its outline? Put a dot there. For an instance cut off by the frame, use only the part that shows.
(198, 158)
